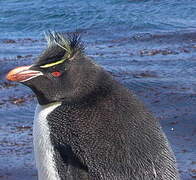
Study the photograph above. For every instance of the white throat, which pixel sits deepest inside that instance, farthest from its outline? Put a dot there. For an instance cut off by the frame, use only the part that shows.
(43, 149)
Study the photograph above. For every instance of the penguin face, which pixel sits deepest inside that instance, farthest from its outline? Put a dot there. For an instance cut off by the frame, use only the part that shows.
(62, 72)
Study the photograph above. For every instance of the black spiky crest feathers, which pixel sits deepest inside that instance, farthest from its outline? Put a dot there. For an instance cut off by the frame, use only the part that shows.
(71, 43)
(61, 46)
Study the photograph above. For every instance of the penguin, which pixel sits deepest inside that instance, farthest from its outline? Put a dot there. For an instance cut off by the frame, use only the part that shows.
(88, 126)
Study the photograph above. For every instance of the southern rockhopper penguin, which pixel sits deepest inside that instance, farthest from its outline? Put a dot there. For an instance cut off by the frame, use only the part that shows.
(88, 126)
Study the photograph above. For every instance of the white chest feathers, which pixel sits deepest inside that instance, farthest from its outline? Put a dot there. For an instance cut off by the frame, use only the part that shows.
(44, 152)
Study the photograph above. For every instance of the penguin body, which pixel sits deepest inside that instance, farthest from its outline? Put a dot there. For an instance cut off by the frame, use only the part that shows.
(88, 126)
(113, 137)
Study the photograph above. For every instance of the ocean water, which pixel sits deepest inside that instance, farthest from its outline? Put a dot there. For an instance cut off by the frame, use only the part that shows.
(22, 18)
(149, 45)
(120, 29)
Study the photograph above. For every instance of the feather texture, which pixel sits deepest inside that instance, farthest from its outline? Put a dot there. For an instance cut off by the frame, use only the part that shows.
(71, 43)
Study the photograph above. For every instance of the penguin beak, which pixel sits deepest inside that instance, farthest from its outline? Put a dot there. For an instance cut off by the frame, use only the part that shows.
(22, 74)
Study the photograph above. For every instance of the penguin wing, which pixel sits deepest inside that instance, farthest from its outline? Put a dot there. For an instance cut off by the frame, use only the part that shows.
(68, 164)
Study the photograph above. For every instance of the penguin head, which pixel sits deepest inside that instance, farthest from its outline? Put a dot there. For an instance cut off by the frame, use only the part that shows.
(61, 73)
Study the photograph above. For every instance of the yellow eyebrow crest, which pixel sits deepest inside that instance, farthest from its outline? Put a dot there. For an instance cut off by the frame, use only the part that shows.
(52, 64)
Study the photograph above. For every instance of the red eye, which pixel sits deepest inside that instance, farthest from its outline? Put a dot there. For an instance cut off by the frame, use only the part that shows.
(56, 74)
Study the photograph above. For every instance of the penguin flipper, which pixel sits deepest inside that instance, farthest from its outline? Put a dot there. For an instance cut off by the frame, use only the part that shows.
(68, 165)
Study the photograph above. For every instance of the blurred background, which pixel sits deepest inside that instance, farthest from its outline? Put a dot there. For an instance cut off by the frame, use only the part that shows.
(148, 45)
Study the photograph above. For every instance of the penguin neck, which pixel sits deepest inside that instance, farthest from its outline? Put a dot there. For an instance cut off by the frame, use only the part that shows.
(48, 107)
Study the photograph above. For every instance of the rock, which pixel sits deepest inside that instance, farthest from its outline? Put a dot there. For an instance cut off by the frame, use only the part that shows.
(9, 41)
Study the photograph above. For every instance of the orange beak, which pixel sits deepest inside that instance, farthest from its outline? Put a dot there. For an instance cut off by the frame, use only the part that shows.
(22, 74)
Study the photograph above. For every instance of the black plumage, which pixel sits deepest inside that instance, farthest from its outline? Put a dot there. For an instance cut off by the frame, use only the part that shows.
(100, 131)
(112, 136)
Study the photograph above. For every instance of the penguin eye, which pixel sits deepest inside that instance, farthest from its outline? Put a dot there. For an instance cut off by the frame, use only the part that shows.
(56, 73)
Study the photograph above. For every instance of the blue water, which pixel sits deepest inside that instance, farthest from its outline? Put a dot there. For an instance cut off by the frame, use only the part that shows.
(22, 18)
(128, 26)
(149, 45)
